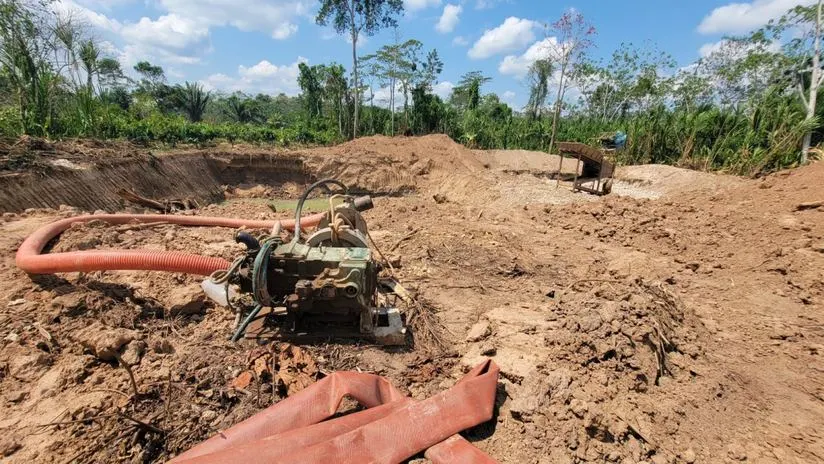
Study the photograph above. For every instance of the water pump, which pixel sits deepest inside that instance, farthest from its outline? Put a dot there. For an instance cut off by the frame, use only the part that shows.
(322, 284)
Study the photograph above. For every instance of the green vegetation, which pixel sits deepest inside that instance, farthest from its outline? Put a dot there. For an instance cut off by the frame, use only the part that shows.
(748, 107)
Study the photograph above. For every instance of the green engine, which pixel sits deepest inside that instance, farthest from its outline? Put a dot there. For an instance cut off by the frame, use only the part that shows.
(325, 283)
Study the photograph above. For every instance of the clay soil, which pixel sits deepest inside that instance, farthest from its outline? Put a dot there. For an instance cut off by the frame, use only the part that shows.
(677, 320)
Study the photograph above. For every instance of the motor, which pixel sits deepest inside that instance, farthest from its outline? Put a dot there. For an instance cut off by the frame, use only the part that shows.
(322, 284)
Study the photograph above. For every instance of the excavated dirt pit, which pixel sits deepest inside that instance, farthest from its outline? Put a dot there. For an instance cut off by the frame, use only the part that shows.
(677, 320)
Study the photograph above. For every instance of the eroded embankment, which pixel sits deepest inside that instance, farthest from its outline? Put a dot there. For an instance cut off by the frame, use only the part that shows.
(194, 176)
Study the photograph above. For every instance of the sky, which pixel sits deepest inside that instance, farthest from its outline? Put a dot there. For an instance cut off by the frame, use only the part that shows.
(256, 45)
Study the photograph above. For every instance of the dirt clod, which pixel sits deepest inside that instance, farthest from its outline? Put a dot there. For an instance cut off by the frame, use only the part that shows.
(105, 342)
(186, 300)
(478, 332)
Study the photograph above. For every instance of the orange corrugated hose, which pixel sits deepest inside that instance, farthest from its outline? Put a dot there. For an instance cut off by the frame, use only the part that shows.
(30, 259)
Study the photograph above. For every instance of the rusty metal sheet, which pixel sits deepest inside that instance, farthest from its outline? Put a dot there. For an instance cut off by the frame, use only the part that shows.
(392, 429)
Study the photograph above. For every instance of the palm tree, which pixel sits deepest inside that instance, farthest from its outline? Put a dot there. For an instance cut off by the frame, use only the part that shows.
(242, 109)
(193, 100)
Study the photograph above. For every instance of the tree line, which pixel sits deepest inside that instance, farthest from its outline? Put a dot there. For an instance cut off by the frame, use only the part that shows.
(750, 105)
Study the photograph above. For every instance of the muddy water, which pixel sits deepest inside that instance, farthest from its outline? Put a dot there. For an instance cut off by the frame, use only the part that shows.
(196, 176)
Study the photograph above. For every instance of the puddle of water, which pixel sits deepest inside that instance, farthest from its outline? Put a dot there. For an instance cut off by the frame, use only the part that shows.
(312, 205)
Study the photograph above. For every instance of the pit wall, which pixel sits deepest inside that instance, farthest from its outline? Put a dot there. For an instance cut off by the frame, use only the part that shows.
(195, 176)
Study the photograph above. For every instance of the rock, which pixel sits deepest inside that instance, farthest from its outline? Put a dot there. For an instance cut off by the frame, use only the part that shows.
(186, 300)
(134, 352)
(17, 302)
(608, 311)
(15, 396)
(72, 304)
(789, 223)
(809, 205)
(693, 266)
(26, 366)
(163, 346)
(478, 332)
(9, 446)
(689, 456)
(103, 341)
(208, 415)
(578, 407)
(439, 198)
(659, 459)
(818, 247)
(589, 321)
(532, 394)
(736, 452)
(12, 337)
(488, 349)
(395, 261)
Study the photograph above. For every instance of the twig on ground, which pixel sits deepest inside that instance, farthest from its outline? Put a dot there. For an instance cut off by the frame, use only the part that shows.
(75, 421)
(608, 281)
(403, 239)
(143, 425)
(128, 368)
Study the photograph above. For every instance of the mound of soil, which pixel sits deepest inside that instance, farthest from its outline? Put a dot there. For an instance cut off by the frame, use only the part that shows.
(680, 329)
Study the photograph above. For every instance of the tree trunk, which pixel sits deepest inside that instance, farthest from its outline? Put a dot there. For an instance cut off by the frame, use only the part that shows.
(406, 103)
(354, 67)
(815, 81)
(555, 117)
(392, 105)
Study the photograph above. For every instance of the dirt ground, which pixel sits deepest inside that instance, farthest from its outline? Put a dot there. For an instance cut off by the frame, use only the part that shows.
(677, 320)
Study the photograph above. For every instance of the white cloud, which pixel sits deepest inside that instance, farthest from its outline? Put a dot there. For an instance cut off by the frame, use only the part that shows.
(273, 18)
(736, 18)
(181, 33)
(449, 18)
(443, 89)
(485, 4)
(169, 39)
(170, 31)
(70, 10)
(382, 95)
(284, 31)
(508, 95)
(105, 5)
(735, 49)
(460, 41)
(518, 65)
(263, 77)
(415, 5)
(513, 34)
(710, 48)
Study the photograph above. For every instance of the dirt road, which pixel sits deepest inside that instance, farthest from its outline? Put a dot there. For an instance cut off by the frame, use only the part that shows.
(678, 320)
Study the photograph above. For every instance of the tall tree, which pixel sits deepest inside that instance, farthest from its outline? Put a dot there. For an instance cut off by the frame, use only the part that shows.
(539, 74)
(356, 17)
(574, 36)
(150, 75)
(310, 80)
(633, 79)
(336, 89)
(431, 69)
(467, 94)
(805, 23)
(395, 65)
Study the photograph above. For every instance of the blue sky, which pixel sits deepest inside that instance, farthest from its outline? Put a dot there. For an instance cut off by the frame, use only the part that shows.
(255, 45)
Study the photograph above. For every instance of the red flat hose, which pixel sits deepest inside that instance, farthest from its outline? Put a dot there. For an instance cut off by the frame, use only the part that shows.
(393, 429)
(30, 259)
